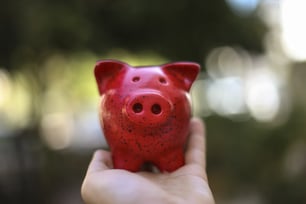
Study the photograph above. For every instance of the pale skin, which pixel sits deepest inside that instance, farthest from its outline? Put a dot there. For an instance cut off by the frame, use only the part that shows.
(188, 184)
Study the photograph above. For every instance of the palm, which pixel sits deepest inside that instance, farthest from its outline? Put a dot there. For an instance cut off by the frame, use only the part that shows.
(188, 184)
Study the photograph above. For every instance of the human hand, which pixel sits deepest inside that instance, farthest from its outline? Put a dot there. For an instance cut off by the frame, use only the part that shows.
(188, 184)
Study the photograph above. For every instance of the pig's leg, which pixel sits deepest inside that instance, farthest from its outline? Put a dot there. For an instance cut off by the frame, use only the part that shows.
(171, 161)
(127, 161)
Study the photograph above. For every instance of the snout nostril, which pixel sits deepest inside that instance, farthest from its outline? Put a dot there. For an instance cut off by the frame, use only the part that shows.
(137, 107)
(156, 109)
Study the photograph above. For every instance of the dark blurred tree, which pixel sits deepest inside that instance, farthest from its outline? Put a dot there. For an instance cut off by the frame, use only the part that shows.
(178, 30)
(8, 32)
(245, 154)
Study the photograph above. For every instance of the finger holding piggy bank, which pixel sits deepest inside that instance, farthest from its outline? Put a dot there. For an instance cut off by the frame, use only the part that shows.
(145, 112)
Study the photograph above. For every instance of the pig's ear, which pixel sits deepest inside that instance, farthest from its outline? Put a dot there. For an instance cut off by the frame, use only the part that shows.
(183, 72)
(105, 70)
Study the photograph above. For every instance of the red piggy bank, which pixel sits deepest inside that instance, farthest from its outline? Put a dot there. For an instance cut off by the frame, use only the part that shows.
(145, 112)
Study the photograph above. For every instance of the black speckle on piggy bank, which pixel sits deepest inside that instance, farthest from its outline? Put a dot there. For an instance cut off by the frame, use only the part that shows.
(145, 112)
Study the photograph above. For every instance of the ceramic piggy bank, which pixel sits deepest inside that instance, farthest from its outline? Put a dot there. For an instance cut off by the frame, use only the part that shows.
(145, 112)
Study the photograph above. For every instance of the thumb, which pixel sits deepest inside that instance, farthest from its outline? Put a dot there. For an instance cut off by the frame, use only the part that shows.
(101, 161)
(196, 150)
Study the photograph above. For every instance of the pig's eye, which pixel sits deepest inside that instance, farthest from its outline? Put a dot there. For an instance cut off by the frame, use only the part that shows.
(136, 78)
(162, 80)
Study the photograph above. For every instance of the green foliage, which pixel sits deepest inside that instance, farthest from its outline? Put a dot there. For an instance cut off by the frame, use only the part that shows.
(50, 47)
(178, 30)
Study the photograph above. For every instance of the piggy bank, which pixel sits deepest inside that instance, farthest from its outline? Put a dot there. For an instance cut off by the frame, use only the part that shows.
(145, 112)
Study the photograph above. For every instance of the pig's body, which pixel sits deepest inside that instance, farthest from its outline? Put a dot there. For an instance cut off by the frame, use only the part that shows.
(145, 113)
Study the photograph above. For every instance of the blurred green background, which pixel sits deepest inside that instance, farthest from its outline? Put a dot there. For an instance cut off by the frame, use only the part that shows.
(250, 91)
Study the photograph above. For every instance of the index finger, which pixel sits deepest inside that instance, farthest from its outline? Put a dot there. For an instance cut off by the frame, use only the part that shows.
(196, 148)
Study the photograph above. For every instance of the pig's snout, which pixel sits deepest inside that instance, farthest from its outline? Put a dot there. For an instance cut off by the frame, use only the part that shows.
(148, 107)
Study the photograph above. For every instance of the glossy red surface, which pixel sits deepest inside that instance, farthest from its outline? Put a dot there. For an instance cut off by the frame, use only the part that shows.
(145, 112)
